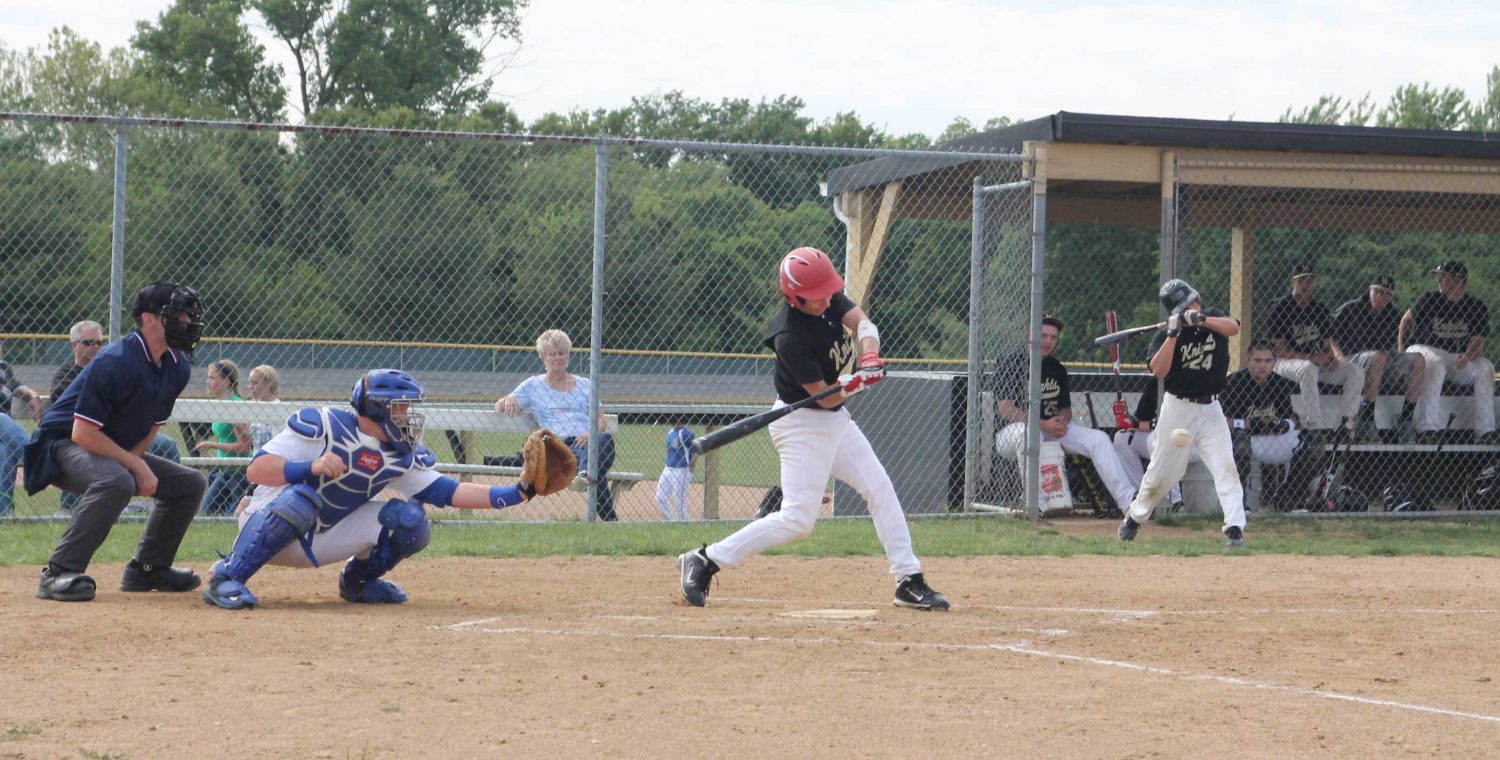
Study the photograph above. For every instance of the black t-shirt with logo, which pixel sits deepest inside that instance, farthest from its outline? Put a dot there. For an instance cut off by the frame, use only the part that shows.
(1358, 329)
(1302, 327)
(808, 348)
(1243, 399)
(1057, 393)
(1446, 324)
(1200, 362)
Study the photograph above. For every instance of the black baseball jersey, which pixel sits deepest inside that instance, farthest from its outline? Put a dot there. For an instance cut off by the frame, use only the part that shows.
(808, 348)
(1357, 328)
(1146, 407)
(1243, 399)
(1057, 392)
(1302, 327)
(1200, 362)
(1446, 324)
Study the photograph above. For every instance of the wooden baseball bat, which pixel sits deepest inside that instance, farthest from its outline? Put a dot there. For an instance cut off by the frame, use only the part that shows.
(744, 427)
(1119, 335)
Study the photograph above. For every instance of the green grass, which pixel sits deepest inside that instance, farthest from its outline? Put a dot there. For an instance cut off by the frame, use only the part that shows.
(30, 543)
(21, 732)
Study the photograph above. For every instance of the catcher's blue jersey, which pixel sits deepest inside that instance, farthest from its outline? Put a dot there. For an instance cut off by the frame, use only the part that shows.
(372, 466)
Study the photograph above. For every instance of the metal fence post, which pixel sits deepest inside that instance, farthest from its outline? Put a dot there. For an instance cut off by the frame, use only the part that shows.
(117, 233)
(1034, 349)
(596, 321)
(976, 248)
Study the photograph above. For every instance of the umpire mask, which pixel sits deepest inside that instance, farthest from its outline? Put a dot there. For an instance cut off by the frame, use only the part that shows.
(183, 336)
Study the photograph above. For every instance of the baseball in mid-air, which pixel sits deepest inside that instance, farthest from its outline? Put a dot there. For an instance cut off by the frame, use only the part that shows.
(1181, 437)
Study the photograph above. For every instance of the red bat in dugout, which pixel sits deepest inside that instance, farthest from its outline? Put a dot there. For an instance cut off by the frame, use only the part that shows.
(1116, 337)
(744, 427)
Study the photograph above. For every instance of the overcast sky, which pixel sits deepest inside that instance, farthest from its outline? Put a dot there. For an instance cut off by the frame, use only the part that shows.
(914, 65)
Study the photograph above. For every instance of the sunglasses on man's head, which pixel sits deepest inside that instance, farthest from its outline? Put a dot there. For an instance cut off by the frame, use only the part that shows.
(91, 342)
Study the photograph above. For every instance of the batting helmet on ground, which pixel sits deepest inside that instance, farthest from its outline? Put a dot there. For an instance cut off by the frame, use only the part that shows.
(1483, 492)
(808, 273)
(1176, 295)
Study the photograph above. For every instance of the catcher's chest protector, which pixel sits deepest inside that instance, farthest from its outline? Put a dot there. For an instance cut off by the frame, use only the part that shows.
(371, 465)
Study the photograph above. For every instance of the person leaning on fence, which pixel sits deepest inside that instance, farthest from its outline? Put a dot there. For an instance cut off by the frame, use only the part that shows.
(672, 486)
(86, 338)
(225, 484)
(93, 441)
(559, 400)
(1264, 427)
(1121, 475)
(1448, 327)
(12, 435)
(1308, 354)
(1367, 329)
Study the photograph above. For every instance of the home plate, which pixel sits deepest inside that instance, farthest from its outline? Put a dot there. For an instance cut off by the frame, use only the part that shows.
(830, 614)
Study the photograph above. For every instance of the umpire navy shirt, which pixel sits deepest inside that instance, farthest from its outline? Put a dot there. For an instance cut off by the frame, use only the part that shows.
(123, 392)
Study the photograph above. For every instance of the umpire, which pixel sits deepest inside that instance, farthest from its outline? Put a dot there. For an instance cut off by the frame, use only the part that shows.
(93, 442)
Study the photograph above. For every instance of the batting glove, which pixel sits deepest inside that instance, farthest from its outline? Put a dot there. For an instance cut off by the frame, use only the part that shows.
(1122, 417)
(1192, 318)
(851, 384)
(871, 368)
(1174, 326)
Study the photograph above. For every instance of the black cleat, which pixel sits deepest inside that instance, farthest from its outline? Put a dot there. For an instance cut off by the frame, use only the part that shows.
(697, 571)
(65, 586)
(139, 577)
(913, 592)
(1128, 529)
(1234, 538)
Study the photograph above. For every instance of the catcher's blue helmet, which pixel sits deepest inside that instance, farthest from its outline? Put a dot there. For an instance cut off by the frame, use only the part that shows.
(373, 395)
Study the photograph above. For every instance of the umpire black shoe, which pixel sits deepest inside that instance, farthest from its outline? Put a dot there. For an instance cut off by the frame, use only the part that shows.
(1234, 537)
(1128, 528)
(697, 571)
(65, 586)
(913, 592)
(138, 577)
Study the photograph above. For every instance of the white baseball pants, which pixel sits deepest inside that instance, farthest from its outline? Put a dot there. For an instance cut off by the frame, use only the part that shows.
(1210, 432)
(353, 536)
(1134, 446)
(813, 444)
(1307, 375)
(1274, 449)
(672, 487)
(1121, 475)
(1441, 365)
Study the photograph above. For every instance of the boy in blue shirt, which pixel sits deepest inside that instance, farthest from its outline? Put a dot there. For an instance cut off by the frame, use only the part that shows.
(673, 483)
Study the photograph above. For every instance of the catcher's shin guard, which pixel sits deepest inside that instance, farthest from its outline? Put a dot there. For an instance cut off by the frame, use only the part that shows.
(406, 533)
(288, 517)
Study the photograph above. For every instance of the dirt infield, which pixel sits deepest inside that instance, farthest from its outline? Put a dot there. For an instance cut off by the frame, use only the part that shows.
(1245, 657)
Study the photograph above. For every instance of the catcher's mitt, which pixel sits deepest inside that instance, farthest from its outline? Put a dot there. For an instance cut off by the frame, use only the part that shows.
(548, 464)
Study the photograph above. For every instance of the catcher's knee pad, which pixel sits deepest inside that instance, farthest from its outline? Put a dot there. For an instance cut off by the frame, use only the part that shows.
(406, 528)
(288, 517)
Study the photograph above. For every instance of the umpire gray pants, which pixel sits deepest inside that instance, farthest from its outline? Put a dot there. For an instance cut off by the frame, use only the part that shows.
(106, 487)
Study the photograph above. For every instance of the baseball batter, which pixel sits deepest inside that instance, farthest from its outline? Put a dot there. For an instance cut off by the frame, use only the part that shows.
(316, 497)
(811, 345)
(1191, 356)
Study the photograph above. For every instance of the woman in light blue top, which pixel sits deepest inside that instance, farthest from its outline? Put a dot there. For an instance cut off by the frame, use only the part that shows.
(559, 401)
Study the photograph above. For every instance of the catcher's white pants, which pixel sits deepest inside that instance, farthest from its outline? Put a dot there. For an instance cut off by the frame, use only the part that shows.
(1307, 375)
(1441, 365)
(1210, 432)
(672, 487)
(1134, 446)
(353, 536)
(812, 444)
(1121, 475)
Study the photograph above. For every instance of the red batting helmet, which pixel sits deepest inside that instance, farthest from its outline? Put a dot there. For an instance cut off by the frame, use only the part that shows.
(808, 273)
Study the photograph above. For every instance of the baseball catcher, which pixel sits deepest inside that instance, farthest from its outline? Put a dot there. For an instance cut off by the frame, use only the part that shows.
(548, 464)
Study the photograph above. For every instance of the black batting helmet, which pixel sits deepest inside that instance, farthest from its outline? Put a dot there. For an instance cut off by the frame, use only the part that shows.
(1176, 295)
(1483, 492)
(1405, 497)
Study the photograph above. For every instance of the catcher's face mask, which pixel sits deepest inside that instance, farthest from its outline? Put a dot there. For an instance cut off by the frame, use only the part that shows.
(404, 425)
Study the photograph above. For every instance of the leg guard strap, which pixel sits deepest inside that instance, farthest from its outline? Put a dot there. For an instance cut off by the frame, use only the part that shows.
(289, 517)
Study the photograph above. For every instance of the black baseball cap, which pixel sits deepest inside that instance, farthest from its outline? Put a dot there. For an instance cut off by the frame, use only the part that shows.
(1384, 282)
(151, 299)
(1303, 269)
(1453, 267)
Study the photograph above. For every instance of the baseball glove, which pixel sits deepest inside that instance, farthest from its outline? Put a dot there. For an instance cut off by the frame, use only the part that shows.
(548, 464)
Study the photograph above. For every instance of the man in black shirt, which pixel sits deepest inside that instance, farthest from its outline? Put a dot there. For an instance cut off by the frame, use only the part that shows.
(1366, 329)
(1307, 353)
(1258, 403)
(1122, 476)
(1448, 327)
(1192, 358)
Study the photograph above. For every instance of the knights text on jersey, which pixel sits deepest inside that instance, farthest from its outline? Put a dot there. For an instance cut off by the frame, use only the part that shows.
(1200, 363)
(808, 348)
(1449, 325)
(1245, 399)
(371, 466)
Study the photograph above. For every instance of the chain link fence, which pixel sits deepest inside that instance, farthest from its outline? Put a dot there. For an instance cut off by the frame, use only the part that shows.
(324, 252)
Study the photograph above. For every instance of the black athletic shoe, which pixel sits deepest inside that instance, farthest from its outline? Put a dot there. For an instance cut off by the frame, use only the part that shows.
(697, 571)
(65, 586)
(139, 577)
(913, 592)
(1128, 528)
(1234, 538)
